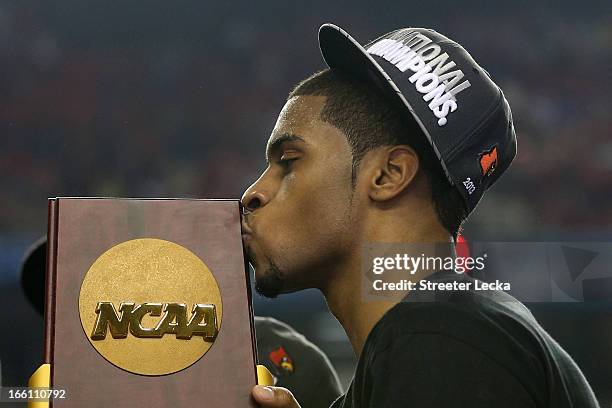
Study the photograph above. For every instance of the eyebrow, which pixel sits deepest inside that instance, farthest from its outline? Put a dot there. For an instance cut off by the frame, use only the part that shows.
(278, 141)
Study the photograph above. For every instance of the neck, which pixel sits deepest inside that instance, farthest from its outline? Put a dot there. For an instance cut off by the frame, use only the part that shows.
(356, 315)
(345, 291)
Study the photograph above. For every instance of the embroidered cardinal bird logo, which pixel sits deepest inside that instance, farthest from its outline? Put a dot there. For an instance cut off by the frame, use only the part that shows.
(488, 161)
(281, 359)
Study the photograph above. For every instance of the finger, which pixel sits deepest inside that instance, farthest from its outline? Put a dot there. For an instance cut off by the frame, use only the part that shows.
(274, 397)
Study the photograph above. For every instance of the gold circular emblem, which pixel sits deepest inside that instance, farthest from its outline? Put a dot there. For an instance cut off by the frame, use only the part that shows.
(150, 306)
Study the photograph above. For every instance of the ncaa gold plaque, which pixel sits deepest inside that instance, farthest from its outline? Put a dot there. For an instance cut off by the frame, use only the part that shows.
(148, 303)
(148, 318)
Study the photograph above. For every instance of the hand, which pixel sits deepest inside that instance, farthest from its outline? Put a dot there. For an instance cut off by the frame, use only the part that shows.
(274, 397)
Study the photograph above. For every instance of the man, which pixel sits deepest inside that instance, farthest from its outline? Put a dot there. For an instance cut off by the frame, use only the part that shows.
(295, 363)
(397, 142)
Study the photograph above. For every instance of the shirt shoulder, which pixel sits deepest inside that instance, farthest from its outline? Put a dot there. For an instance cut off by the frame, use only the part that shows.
(502, 329)
(493, 328)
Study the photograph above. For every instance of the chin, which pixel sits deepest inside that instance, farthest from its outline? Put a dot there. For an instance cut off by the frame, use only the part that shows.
(269, 286)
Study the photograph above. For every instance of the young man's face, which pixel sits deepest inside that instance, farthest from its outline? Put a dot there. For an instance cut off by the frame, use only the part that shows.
(301, 218)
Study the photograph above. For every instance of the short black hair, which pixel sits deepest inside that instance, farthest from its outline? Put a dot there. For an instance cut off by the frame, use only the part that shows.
(369, 120)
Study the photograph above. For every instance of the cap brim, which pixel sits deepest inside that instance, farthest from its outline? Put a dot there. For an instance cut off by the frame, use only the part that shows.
(33, 274)
(343, 53)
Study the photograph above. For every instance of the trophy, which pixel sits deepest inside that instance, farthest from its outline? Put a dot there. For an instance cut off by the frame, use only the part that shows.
(148, 304)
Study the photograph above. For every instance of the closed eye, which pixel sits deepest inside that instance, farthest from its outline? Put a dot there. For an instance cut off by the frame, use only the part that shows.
(288, 162)
(288, 156)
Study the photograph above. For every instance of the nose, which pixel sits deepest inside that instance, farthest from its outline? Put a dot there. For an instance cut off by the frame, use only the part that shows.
(253, 199)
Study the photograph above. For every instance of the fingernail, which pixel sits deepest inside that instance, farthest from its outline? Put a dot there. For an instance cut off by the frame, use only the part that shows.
(265, 392)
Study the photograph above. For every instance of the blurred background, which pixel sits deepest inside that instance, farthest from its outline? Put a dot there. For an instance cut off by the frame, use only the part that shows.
(177, 99)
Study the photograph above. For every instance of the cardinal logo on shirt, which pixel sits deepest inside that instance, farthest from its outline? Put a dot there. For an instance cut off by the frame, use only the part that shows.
(281, 359)
(488, 161)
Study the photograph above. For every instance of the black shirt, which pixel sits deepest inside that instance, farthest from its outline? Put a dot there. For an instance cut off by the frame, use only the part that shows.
(463, 349)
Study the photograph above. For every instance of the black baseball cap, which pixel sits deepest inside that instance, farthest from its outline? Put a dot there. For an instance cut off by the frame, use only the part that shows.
(463, 114)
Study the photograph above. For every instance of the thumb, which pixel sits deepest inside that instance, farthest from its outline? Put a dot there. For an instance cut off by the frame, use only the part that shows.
(274, 397)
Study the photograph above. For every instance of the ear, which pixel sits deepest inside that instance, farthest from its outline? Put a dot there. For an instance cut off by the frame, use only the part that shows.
(394, 169)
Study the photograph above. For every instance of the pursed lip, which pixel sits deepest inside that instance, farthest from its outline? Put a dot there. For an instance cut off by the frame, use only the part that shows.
(247, 235)
(246, 230)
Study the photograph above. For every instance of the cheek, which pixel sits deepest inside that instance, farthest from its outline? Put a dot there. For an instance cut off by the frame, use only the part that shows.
(311, 211)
